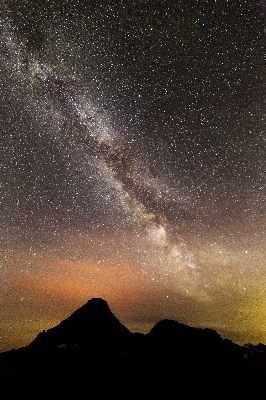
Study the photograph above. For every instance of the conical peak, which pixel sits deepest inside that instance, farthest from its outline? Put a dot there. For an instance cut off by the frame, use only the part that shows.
(93, 323)
(94, 307)
(97, 302)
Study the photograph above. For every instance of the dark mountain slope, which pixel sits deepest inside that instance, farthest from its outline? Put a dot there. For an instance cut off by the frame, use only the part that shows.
(197, 363)
(91, 355)
(91, 325)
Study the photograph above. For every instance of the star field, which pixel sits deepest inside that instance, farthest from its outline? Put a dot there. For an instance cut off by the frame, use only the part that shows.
(133, 164)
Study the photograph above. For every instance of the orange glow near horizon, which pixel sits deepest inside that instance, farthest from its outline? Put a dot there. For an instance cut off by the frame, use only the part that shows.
(59, 286)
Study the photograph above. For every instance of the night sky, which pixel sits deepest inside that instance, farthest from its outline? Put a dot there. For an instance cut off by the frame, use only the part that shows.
(133, 163)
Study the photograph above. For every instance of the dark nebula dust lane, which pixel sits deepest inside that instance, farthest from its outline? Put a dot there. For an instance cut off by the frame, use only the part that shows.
(133, 162)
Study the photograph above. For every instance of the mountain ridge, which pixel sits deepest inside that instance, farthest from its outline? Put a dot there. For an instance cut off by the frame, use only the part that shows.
(92, 355)
(93, 323)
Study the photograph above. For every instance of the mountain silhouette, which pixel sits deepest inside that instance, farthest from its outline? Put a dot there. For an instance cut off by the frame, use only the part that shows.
(91, 325)
(91, 355)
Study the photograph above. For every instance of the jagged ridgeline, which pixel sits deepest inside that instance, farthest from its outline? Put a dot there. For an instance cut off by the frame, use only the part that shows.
(91, 355)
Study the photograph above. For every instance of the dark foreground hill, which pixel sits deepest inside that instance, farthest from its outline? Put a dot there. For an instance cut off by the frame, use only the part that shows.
(91, 355)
